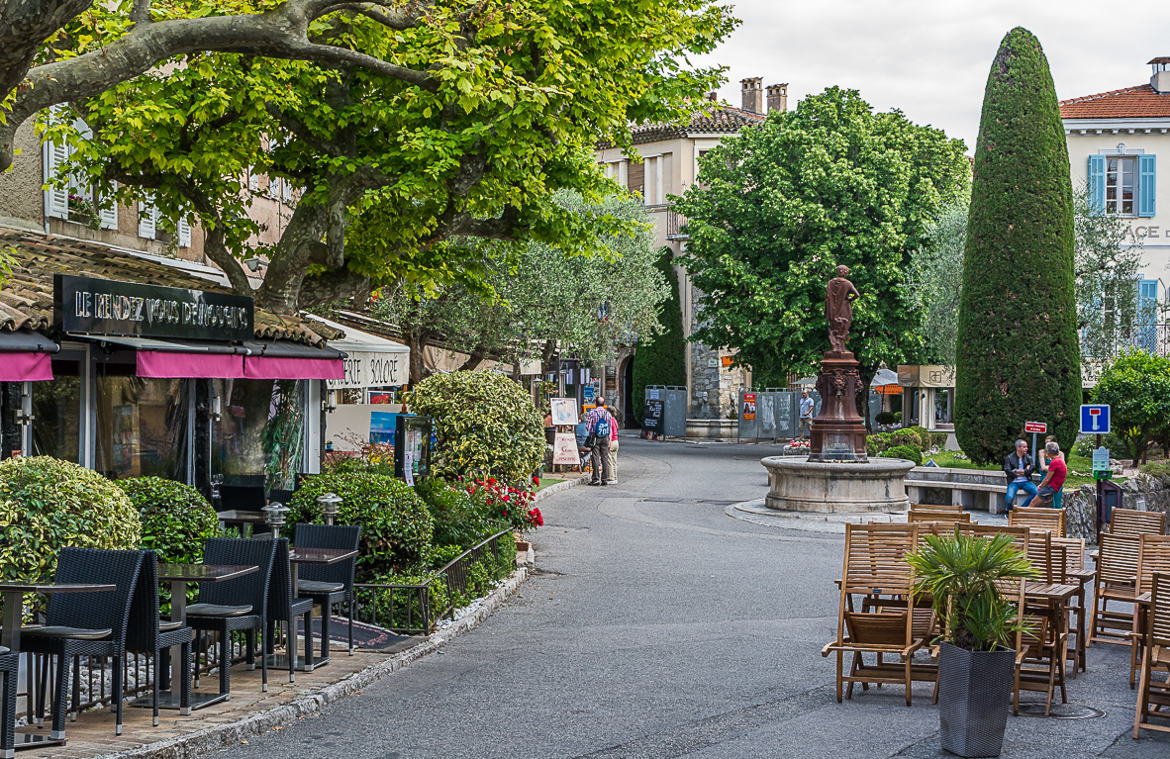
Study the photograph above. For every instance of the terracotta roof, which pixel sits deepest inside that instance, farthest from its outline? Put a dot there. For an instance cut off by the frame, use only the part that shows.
(1137, 102)
(26, 295)
(720, 118)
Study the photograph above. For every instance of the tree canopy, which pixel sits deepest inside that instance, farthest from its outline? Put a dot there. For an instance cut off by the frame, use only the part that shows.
(548, 302)
(1018, 355)
(394, 176)
(1136, 385)
(776, 209)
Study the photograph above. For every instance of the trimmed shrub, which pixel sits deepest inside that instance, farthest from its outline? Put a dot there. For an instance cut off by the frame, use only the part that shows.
(176, 519)
(487, 425)
(915, 437)
(904, 452)
(47, 504)
(1018, 353)
(662, 360)
(396, 525)
(884, 417)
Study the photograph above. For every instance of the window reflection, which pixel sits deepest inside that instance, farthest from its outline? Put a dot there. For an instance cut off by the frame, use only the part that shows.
(141, 425)
(56, 408)
(260, 431)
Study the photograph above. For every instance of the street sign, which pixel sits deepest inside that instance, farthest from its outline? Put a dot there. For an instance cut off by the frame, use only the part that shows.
(1095, 419)
(1038, 428)
(1100, 459)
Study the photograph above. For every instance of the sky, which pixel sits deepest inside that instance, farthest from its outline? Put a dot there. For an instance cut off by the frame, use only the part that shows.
(930, 58)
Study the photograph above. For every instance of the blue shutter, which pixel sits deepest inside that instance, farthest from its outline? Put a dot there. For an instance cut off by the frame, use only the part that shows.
(1097, 184)
(1147, 315)
(1146, 184)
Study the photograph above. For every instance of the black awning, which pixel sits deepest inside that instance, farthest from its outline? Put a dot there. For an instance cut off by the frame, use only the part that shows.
(26, 341)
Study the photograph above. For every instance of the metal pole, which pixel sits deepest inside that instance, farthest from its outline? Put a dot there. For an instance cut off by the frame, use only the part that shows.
(1100, 494)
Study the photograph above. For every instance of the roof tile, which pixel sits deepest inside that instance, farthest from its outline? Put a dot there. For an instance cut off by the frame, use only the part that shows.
(1137, 102)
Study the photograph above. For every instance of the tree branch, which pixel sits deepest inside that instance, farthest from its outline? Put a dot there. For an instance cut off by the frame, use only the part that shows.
(279, 33)
(140, 13)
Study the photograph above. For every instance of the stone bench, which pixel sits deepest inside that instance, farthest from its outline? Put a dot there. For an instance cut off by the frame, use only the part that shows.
(973, 489)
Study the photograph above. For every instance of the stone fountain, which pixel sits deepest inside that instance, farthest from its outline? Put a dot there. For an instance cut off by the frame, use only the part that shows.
(838, 476)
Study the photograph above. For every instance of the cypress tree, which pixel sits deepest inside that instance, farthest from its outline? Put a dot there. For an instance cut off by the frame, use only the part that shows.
(1018, 356)
(663, 360)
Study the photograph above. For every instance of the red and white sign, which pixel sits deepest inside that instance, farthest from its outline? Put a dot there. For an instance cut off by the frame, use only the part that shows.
(1037, 427)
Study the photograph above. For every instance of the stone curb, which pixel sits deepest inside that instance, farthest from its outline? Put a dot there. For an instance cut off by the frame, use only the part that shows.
(559, 487)
(249, 726)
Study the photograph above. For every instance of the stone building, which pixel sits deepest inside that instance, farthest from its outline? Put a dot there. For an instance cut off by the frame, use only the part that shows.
(669, 161)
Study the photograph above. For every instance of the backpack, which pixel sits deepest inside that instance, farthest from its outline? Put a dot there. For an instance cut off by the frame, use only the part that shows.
(601, 429)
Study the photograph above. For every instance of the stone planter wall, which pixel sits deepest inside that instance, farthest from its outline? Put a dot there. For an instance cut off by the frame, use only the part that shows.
(1142, 493)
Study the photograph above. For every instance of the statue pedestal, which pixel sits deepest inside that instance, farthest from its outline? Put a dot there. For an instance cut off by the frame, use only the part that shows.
(838, 432)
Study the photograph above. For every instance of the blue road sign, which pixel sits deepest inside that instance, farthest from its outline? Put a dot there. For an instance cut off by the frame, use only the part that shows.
(1095, 419)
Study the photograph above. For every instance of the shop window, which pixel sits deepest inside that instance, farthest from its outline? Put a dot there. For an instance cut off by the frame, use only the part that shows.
(910, 411)
(56, 409)
(944, 411)
(141, 425)
(260, 430)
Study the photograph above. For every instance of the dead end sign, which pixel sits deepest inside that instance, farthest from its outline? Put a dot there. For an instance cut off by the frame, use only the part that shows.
(1036, 428)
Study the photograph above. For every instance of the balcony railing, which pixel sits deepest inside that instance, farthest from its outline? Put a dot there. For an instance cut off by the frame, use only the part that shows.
(674, 224)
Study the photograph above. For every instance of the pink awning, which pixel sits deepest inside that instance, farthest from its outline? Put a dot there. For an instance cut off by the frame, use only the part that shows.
(269, 367)
(167, 364)
(25, 367)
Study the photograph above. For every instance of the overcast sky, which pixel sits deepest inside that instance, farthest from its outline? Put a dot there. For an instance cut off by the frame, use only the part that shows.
(930, 58)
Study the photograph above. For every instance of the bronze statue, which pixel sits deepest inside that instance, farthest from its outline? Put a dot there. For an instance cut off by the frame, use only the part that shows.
(839, 296)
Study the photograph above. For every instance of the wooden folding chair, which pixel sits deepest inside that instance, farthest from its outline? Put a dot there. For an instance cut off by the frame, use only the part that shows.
(1040, 654)
(1153, 698)
(1038, 518)
(1074, 567)
(1117, 566)
(888, 622)
(1153, 558)
(1133, 522)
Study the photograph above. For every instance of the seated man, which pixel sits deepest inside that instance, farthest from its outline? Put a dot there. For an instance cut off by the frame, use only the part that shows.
(1054, 480)
(1018, 467)
(581, 431)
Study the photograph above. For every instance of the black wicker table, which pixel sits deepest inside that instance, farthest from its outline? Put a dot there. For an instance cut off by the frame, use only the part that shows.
(296, 557)
(14, 593)
(178, 575)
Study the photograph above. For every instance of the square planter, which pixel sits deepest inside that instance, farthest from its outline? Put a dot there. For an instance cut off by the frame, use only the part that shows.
(974, 696)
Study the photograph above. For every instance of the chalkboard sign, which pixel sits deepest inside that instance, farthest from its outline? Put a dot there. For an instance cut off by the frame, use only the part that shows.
(652, 415)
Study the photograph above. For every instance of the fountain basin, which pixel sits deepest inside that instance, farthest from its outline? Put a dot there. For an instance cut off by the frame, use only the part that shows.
(878, 484)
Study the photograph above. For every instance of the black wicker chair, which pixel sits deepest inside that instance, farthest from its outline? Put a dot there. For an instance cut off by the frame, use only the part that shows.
(283, 606)
(333, 583)
(239, 604)
(148, 634)
(86, 624)
(9, 664)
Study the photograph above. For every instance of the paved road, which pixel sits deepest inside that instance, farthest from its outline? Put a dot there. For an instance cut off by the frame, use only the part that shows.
(659, 627)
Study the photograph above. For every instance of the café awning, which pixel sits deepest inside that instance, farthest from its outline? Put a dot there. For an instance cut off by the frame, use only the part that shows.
(371, 360)
(26, 356)
(278, 359)
(176, 359)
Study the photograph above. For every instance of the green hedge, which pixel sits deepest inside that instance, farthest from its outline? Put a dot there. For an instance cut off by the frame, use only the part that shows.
(1018, 352)
(486, 424)
(47, 504)
(461, 520)
(663, 360)
(396, 526)
(904, 452)
(176, 519)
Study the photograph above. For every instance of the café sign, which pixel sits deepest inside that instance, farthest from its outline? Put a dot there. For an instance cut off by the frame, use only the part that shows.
(372, 369)
(90, 306)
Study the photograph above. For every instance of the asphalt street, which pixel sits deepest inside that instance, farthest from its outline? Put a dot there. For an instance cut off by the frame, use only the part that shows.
(656, 626)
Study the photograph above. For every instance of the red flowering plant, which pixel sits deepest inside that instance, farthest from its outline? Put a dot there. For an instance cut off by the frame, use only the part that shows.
(506, 502)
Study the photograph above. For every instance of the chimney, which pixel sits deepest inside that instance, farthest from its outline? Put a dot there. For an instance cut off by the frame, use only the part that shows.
(778, 97)
(753, 94)
(1160, 79)
(713, 96)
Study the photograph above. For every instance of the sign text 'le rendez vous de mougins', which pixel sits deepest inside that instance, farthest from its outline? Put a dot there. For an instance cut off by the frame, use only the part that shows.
(89, 306)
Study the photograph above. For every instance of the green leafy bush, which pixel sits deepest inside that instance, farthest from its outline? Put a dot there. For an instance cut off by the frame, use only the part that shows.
(461, 520)
(396, 525)
(884, 417)
(487, 425)
(176, 519)
(1156, 469)
(911, 436)
(47, 504)
(904, 452)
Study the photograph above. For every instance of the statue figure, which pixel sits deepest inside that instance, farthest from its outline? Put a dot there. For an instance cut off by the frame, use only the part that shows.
(839, 296)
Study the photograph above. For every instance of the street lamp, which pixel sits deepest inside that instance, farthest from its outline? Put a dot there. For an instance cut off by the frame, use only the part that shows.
(329, 504)
(274, 516)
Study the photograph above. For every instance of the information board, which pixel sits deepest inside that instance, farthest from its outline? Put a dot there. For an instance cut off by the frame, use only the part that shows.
(652, 415)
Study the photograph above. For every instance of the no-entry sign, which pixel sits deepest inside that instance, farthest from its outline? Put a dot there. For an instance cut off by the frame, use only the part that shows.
(1038, 428)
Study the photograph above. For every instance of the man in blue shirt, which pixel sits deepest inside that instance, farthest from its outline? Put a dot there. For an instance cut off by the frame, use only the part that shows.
(806, 412)
(1018, 466)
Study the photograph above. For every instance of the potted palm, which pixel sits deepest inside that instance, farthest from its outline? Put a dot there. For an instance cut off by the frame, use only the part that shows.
(962, 575)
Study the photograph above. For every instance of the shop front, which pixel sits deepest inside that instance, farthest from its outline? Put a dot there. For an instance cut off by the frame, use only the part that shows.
(133, 379)
(928, 396)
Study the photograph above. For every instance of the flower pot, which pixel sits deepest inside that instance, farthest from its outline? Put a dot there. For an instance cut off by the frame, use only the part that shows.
(974, 696)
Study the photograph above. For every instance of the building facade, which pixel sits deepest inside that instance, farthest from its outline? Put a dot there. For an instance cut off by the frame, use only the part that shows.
(667, 164)
(1114, 141)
